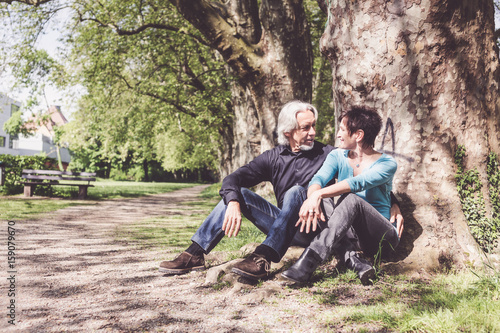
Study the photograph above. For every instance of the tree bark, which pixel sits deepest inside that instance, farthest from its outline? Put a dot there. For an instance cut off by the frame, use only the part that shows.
(268, 49)
(145, 168)
(430, 67)
(246, 130)
(28, 2)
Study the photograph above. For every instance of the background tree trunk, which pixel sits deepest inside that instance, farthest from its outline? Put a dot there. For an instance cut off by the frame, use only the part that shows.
(430, 67)
(268, 48)
(246, 128)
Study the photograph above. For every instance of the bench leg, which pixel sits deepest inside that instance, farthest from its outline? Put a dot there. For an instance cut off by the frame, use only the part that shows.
(82, 192)
(28, 190)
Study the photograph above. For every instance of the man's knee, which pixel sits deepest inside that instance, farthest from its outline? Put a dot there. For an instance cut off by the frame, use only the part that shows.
(296, 191)
(297, 188)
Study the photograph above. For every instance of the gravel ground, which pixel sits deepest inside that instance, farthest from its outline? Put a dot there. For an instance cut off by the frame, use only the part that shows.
(73, 275)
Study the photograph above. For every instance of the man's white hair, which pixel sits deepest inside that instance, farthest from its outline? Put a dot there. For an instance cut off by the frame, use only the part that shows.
(287, 119)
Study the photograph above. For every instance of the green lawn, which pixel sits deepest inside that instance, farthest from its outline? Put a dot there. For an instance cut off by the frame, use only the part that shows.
(17, 207)
(110, 189)
(467, 301)
(158, 232)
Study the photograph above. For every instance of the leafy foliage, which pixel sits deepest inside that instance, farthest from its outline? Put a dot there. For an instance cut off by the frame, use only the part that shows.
(150, 78)
(15, 125)
(14, 166)
(493, 171)
(32, 67)
(155, 90)
(484, 229)
(322, 81)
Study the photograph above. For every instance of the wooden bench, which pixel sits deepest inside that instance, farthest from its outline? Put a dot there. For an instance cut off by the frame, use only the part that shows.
(53, 177)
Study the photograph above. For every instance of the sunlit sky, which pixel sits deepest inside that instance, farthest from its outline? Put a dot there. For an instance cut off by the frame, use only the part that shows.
(53, 96)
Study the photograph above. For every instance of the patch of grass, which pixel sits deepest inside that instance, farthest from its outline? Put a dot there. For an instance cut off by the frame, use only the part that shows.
(249, 233)
(18, 208)
(163, 232)
(221, 285)
(175, 231)
(212, 192)
(461, 302)
(110, 189)
(325, 278)
(208, 205)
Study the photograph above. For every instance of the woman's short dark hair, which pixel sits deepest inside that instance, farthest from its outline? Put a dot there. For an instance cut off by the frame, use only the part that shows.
(365, 119)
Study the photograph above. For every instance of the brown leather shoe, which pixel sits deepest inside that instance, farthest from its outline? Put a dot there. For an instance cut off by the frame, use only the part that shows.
(254, 267)
(183, 264)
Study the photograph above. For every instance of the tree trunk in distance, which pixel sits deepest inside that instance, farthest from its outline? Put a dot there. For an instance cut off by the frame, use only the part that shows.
(430, 67)
(145, 168)
(246, 129)
(268, 48)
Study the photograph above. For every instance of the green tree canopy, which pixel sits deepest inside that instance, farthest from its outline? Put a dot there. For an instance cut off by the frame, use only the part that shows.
(155, 89)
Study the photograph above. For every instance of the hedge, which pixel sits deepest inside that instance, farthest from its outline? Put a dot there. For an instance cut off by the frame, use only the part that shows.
(14, 166)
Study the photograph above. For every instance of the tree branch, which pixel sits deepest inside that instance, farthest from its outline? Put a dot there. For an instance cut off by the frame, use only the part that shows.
(27, 2)
(171, 102)
(160, 98)
(160, 26)
(242, 57)
(322, 4)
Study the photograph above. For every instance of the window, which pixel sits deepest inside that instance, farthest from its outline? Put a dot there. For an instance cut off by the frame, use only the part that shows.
(13, 108)
(11, 141)
(2, 141)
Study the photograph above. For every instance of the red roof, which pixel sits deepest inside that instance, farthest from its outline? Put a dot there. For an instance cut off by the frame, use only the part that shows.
(56, 119)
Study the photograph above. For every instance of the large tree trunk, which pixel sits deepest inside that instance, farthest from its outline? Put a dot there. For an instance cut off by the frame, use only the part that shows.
(241, 140)
(267, 46)
(246, 128)
(430, 67)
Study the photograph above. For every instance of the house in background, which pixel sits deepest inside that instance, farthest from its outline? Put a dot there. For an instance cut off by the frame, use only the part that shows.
(7, 107)
(43, 138)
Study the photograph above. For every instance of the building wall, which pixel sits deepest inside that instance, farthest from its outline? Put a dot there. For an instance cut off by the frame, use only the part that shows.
(28, 146)
(7, 107)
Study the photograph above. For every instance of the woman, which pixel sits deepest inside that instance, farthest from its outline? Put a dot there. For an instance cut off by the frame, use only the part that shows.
(365, 181)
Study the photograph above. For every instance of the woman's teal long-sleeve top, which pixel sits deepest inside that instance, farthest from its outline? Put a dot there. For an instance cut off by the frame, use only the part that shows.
(373, 184)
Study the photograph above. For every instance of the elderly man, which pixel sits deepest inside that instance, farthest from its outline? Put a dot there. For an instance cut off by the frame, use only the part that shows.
(289, 167)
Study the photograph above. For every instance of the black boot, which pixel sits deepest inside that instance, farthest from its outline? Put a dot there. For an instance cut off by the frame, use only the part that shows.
(302, 270)
(365, 270)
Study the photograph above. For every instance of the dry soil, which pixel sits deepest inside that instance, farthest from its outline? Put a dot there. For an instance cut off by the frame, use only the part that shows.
(72, 274)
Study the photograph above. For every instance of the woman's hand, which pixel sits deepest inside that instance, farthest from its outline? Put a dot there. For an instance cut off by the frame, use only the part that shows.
(309, 213)
(397, 216)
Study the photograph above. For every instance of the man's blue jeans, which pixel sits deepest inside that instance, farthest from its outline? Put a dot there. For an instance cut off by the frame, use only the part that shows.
(278, 224)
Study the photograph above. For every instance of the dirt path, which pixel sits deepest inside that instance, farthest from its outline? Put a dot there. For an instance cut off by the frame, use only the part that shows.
(72, 275)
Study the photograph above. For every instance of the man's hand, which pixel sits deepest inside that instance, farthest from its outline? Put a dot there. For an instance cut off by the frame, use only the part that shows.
(232, 219)
(309, 213)
(396, 216)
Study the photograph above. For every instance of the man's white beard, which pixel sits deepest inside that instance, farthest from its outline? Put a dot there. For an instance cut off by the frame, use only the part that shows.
(306, 148)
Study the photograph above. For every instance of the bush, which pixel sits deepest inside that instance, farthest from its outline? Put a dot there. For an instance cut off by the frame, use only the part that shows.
(118, 175)
(485, 229)
(14, 166)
